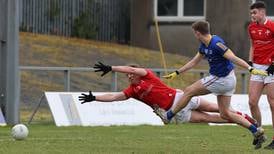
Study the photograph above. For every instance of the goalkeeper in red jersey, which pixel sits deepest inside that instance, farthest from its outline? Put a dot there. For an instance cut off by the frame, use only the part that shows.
(261, 56)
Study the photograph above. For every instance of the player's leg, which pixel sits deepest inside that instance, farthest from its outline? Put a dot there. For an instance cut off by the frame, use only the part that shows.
(254, 94)
(255, 91)
(270, 97)
(247, 117)
(226, 113)
(190, 113)
(203, 117)
(207, 106)
(195, 89)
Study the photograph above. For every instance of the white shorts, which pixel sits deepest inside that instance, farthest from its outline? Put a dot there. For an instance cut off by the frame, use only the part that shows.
(220, 85)
(260, 78)
(185, 114)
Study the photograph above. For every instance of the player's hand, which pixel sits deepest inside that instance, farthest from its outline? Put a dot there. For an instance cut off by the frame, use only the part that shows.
(100, 67)
(270, 69)
(171, 75)
(257, 72)
(86, 98)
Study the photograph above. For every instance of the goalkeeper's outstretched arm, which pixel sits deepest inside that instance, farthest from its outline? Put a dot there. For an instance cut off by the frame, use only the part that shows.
(120, 96)
(85, 98)
(101, 67)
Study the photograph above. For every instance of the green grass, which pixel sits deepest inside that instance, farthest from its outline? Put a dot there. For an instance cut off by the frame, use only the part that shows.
(185, 138)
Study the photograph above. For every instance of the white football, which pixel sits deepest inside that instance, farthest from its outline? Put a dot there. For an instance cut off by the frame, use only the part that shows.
(19, 132)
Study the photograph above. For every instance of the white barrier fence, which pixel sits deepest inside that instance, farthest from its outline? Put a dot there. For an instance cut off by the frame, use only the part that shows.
(68, 111)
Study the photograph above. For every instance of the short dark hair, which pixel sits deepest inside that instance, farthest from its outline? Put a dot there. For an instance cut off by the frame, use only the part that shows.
(258, 5)
(201, 26)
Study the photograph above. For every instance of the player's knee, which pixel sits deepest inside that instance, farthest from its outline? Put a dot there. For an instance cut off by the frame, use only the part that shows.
(225, 115)
(253, 105)
(253, 102)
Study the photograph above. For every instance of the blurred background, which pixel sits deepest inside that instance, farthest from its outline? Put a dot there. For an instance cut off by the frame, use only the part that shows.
(60, 40)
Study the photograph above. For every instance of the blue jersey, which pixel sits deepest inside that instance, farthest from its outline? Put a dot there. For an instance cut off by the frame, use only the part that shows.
(219, 65)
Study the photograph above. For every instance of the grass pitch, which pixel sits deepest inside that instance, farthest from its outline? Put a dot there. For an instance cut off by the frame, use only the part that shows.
(184, 138)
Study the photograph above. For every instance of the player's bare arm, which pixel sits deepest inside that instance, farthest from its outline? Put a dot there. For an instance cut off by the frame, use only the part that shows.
(120, 96)
(128, 69)
(85, 98)
(251, 51)
(100, 67)
(231, 56)
(193, 62)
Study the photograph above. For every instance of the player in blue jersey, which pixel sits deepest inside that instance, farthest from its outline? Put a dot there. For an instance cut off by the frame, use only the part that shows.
(221, 80)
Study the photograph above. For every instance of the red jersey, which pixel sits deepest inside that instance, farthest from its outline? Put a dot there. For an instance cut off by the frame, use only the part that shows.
(151, 90)
(262, 37)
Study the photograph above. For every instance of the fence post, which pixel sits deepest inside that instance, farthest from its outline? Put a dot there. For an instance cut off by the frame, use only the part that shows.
(244, 83)
(158, 73)
(67, 80)
(114, 81)
(202, 74)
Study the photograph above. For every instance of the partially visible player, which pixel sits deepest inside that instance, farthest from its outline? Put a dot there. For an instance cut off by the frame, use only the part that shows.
(221, 81)
(261, 32)
(149, 89)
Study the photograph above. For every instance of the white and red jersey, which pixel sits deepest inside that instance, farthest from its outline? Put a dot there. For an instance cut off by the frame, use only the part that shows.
(262, 36)
(152, 91)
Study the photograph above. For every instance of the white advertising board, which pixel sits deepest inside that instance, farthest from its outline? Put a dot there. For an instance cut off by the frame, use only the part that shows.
(2, 119)
(68, 111)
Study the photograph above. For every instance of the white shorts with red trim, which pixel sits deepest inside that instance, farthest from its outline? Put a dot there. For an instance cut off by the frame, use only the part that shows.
(260, 78)
(185, 114)
(220, 85)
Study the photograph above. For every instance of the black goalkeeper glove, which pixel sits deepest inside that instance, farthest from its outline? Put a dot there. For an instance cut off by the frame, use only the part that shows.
(100, 67)
(86, 98)
(270, 69)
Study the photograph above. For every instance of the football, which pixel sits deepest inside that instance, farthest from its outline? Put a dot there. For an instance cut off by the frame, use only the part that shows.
(19, 132)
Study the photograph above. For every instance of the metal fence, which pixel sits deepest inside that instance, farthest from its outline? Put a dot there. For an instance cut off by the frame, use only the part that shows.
(104, 20)
(114, 78)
